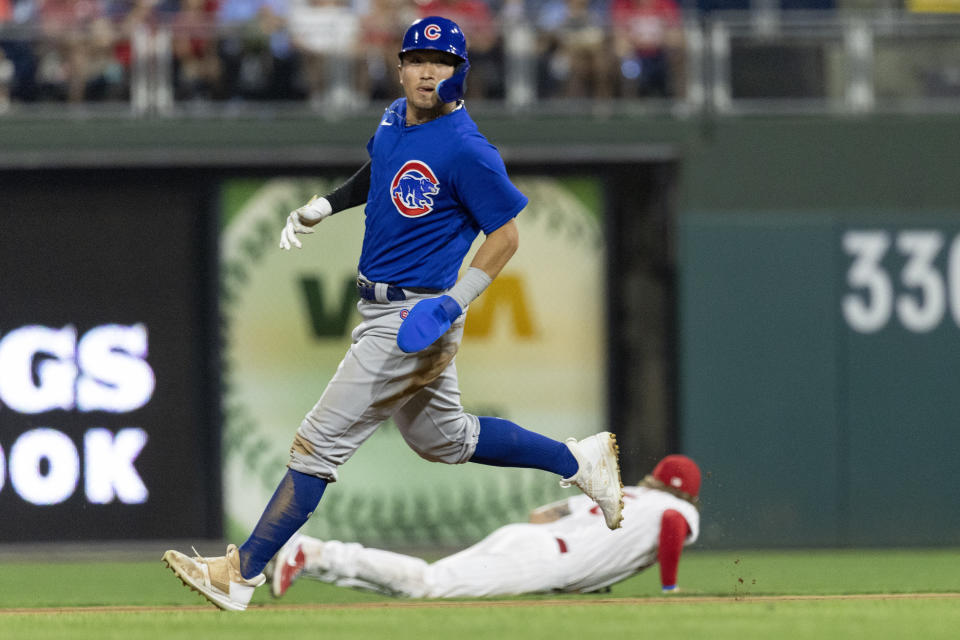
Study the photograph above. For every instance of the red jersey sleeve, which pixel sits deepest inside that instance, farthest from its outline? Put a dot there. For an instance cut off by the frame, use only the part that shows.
(673, 531)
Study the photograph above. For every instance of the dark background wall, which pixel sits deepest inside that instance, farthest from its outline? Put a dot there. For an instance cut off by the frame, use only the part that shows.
(90, 262)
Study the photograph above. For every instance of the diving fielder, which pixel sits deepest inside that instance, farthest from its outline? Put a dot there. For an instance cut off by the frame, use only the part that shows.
(565, 548)
(433, 183)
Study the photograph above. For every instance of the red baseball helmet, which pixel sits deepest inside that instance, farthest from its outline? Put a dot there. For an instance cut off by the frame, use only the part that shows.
(679, 472)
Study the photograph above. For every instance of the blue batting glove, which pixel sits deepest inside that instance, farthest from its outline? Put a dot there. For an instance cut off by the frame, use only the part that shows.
(428, 320)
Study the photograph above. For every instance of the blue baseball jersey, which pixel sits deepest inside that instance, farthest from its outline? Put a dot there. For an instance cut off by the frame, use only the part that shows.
(433, 188)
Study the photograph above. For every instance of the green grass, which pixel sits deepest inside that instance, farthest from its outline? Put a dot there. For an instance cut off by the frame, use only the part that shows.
(737, 576)
(843, 619)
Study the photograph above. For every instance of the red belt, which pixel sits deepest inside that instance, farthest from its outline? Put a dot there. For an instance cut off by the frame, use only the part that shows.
(562, 545)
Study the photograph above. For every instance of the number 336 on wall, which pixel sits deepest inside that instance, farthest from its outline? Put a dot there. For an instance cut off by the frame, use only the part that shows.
(924, 291)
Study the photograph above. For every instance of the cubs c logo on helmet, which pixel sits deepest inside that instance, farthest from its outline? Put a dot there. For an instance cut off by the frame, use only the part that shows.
(437, 33)
(412, 189)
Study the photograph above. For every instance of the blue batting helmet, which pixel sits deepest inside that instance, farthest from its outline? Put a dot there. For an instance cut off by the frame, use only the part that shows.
(436, 33)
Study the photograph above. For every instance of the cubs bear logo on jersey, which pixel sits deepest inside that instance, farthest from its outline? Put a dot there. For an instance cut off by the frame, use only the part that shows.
(412, 189)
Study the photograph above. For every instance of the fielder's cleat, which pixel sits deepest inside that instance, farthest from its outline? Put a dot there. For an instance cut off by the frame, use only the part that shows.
(288, 565)
(599, 474)
(216, 579)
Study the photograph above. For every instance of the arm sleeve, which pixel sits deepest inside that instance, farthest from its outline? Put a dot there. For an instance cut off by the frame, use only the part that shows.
(352, 192)
(673, 531)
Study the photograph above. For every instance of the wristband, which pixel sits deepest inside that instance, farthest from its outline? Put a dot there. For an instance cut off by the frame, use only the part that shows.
(315, 210)
(471, 285)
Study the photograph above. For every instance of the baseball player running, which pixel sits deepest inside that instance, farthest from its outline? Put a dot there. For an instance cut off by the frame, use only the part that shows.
(566, 548)
(432, 184)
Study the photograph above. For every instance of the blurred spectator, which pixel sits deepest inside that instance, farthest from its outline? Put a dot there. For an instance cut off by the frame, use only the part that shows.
(102, 74)
(708, 6)
(7, 69)
(21, 11)
(17, 48)
(648, 40)
(64, 47)
(131, 15)
(379, 45)
(256, 53)
(109, 41)
(575, 49)
(484, 45)
(325, 34)
(196, 65)
(140, 11)
(6, 81)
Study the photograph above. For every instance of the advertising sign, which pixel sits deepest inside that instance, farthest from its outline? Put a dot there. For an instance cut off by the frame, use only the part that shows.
(105, 421)
(533, 352)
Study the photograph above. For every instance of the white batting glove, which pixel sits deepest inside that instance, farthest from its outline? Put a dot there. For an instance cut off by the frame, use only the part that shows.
(301, 220)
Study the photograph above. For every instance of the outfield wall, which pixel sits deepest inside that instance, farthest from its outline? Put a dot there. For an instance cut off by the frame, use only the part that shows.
(817, 294)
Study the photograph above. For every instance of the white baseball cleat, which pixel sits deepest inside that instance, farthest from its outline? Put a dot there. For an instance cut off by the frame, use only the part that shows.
(599, 474)
(288, 565)
(216, 579)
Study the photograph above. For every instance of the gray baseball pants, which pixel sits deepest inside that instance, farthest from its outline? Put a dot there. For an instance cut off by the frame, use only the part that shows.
(376, 381)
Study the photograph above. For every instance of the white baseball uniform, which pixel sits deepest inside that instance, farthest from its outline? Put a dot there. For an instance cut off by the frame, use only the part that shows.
(576, 553)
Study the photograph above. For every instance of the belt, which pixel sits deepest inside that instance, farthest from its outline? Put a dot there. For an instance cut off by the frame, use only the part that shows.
(381, 292)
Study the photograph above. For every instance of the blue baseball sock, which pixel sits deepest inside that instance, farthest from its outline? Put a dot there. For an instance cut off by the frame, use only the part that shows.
(505, 444)
(297, 495)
